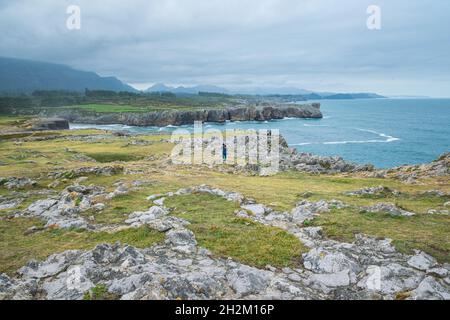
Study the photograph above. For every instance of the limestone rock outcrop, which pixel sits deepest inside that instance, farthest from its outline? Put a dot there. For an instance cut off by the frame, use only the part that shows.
(182, 117)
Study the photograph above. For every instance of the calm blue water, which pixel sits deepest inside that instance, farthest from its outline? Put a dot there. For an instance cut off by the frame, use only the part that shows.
(385, 132)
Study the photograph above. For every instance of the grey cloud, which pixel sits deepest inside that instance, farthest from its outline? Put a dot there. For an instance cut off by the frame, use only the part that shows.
(315, 44)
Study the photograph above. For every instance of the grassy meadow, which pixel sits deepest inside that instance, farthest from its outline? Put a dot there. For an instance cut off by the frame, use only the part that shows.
(212, 219)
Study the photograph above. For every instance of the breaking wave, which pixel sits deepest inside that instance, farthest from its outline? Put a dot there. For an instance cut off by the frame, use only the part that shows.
(386, 139)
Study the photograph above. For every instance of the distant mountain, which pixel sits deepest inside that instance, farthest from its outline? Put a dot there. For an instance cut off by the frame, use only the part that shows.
(160, 87)
(17, 75)
(272, 90)
(264, 91)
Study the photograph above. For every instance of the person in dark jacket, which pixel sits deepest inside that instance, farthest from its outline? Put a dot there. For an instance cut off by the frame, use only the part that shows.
(224, 151)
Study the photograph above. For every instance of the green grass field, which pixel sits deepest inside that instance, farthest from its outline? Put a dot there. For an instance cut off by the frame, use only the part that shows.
(212, 219)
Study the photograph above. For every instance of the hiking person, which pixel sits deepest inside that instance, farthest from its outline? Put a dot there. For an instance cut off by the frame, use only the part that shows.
(224, 151)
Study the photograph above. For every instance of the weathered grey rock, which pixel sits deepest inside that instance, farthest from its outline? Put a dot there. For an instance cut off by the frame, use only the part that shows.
(63, 211)
(50, 267)
(5, 284)
(121, 189)
(40, 206)
(99, 207)
(435, 193)
(438, 272)
(154, 196)
(242, 214)
(182, 240)
(166, 223)
(230, 196)
(364, 269)
(100, 171)
(390, 208)
(301, 214)
(438, 212)
(142, 217)
(320, 260)
(313, 232)
(378, 191)
(166, 272)
(394, 278)
(310, 163)
(410, 174)
(159, 202)
(129, 284)
(256, 209)
(9, 203)
(246, 280)
(306, 210)
(431, 289)
(422, 261)
(295, 277)
(18, 183)
(331, 280)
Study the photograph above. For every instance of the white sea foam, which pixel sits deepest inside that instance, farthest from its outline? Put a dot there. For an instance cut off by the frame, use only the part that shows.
(315, 125)
(353, 141)
(302, 143)
(387, 139)
(382, 135)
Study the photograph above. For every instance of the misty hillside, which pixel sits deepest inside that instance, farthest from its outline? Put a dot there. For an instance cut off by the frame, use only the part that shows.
(160, 87)
(18, 75)
(287, 91)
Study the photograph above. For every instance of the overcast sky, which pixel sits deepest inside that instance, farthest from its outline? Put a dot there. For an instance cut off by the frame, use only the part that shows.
(322, 45)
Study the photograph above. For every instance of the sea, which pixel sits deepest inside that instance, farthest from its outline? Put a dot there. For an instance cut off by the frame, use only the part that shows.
(383, 132)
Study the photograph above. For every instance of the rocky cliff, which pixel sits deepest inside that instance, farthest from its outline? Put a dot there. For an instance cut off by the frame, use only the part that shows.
(47, 124)
(180, 117)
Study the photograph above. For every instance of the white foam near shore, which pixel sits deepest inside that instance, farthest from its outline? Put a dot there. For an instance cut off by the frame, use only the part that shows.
(74, 126)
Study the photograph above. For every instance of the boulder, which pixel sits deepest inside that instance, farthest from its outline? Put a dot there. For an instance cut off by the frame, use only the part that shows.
(256, 209)
(18, 183)
(182, 240)
(390, 208)
(306, 210)
(431, 289)
(331, 280)
(393, 278)
(139, 218)
(320, 260)
(422, 261)
(9, 203)
(48, 124)
(377, 191)
(246, 280)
